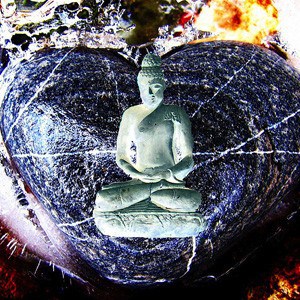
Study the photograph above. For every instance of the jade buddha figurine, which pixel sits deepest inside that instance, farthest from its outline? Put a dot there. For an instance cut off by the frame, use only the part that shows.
(154, 147)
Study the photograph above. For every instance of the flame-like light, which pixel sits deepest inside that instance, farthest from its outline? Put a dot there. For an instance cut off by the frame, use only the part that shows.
(240, 20)
(282, 284)
(286, 285)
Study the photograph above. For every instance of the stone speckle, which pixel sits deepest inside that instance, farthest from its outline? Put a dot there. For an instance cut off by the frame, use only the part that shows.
(60, 118)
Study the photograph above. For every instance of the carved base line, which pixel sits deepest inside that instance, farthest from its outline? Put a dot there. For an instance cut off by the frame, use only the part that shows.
(150, 224)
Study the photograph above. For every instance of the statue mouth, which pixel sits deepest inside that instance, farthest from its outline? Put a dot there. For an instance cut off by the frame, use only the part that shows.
(152, 100)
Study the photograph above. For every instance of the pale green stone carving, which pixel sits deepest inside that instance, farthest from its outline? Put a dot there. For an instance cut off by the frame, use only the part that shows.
(154, 147)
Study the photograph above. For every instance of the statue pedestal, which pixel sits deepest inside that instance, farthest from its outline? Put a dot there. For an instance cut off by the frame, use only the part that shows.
(149, 221)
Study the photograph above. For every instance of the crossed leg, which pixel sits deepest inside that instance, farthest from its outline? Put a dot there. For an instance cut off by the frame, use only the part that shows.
(177, 200)
(121, 195)
(169, 196)
(175, 197)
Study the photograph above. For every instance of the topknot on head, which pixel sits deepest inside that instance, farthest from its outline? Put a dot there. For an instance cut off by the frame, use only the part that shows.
(151, 61)
(151, 68)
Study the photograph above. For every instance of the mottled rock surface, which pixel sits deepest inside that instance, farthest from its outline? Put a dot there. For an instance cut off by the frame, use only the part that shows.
(60, 118)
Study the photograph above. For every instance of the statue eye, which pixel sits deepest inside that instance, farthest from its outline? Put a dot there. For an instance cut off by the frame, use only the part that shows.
(155, 87)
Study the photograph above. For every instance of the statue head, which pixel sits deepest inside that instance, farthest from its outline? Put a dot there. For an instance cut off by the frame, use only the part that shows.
(151, 81)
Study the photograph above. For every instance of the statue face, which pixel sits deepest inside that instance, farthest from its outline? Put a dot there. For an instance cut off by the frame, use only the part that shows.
(152, 92)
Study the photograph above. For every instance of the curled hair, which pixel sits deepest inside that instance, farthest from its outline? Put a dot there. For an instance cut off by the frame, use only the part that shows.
(151, 72)
(151, 61)
(151, 69)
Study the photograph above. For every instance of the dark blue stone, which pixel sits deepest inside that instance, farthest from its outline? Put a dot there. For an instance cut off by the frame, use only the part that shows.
(60, 118)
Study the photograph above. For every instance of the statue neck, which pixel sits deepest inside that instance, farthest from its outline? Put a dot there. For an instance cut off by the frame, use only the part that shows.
(152, 108)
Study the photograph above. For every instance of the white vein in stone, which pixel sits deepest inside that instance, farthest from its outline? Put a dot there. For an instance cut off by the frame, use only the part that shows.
(52, 155)
(188, 267)
(256, 136)
(38, 90)
(74, 224)
(236, 72)
(241, 152)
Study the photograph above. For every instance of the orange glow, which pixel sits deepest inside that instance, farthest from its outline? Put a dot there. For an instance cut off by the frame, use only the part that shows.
(284, 284)
(240, 20)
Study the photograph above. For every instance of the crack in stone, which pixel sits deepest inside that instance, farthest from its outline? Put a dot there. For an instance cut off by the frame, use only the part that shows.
(188, 267)
(51, 155)
(38, 90)
(241, 152)
(224, 85)
(256, 136)
(74, 224)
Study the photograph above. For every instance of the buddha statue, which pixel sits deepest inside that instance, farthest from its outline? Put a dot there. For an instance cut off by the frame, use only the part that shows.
(154, 147)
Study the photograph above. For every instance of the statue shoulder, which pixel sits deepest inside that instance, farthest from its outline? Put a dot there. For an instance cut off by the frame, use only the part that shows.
(131, 111)
(175, 113)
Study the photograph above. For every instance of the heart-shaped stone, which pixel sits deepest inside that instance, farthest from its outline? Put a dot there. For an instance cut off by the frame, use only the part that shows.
(60, 118)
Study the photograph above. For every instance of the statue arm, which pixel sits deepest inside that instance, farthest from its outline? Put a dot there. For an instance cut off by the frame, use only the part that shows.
(182, 147)
(123, 148)
(183, 168)
(128, 168)
(134, 173)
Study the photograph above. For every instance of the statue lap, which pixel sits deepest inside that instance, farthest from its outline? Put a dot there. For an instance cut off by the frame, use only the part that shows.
(171, 196)
(151, 210)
